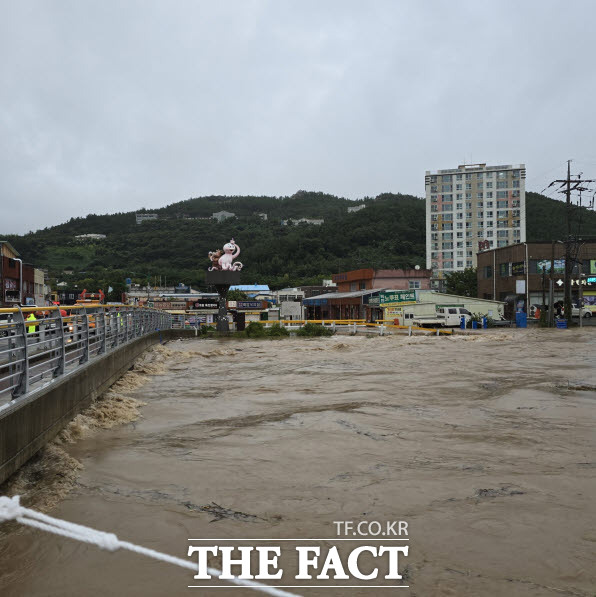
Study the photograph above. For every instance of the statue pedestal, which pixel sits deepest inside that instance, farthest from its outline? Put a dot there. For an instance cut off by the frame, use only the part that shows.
(222, 280)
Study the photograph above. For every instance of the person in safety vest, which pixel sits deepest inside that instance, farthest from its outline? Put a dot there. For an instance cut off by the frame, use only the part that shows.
(31, 328)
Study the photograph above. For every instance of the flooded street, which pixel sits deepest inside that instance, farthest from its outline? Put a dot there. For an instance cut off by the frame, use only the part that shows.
(484, 444)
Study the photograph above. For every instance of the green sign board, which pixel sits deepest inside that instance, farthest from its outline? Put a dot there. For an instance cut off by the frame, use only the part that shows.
(393, 297)
(593, 266)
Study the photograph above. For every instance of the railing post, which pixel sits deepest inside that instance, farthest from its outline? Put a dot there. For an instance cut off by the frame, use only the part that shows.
(85, 356)
(101, 330)
(61, 345)
(23, 384)
(117, 326)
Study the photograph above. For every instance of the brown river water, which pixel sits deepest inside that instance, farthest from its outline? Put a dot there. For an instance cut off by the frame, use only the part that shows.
(484, 444)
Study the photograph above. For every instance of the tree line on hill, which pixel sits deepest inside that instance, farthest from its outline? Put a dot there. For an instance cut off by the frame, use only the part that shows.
(388, 233)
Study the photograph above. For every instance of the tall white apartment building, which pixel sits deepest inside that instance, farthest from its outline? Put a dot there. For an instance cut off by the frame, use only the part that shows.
(469, 209)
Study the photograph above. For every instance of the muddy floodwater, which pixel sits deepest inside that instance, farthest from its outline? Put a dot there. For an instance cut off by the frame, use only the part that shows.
(485, 445)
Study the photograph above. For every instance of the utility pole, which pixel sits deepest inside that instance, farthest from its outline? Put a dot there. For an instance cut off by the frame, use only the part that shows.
(567, 186)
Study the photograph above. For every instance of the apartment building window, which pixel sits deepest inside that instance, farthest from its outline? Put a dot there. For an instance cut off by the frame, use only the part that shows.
(479, 186)
(503, 234)
(469, 263)
(516, 223)
(480, 215)
(489, 204)
(468, 196)
(434, 226)
(489, 233)
(503, 270)
(489, 185)
(458, 177)
(515, 193)
(515, 173)
(501, 175)
(448, 236)
(516, 184)
(479, 175)
(435, 246)
(460, 264)
(434, 236)
(458, 206)
(468, 205)
(460, 253)
(458, 187)
(501, 243)
(489, 195)
(502, 184)
(468, 244)
(434, 217)
(446, 246)
(434, 265)
(502, 214)
(446, 178)
(515, 203)
(479, 204)
(488, 174)
(480, 196)
(489, 214)
(447, 206)
(487, 271)
(433, 198)
(468, 186)
(460, 235)
(516, 233)
(468, 177)
(489, 223)
(413, 284)
(502, 204)
(447, 254)
(460, 216)
(460, 244)
(459, 196)
(480, 224)
(434, 189)
(447, 227)
(447, 188)
(448, 265)
(480, 234)
(501, 194)
(502, 224)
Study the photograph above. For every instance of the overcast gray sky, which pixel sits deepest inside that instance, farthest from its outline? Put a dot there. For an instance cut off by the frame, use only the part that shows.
(117, 105)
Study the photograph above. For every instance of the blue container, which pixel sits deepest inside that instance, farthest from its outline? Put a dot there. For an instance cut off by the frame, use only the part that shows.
(521, 319)
(474, 325)
(562, 324)
(484, 323)
(462, 323)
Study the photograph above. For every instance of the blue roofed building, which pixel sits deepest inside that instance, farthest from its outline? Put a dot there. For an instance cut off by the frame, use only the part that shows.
(252, 290)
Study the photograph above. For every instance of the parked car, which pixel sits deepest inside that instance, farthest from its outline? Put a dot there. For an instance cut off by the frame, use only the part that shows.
(584, 312)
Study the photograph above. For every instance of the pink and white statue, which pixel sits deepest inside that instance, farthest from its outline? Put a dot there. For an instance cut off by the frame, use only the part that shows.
(225, 261)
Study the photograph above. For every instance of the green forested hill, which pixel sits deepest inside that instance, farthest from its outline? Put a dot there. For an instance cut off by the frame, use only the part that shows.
(389, 232)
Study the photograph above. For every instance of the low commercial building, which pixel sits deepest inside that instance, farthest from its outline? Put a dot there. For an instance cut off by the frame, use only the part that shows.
(142, 217)
(520, 274)
(396, 279)
(289, 301)
(220, 216)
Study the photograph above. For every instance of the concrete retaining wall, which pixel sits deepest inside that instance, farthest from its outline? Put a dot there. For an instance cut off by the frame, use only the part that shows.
(33, 420)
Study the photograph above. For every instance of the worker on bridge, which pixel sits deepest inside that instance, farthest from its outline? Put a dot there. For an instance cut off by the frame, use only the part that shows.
(32, 328)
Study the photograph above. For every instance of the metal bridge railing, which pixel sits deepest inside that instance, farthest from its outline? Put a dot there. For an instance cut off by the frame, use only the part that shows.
(35, 349)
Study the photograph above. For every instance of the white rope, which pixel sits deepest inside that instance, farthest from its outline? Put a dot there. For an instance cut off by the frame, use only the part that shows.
(10, 509)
